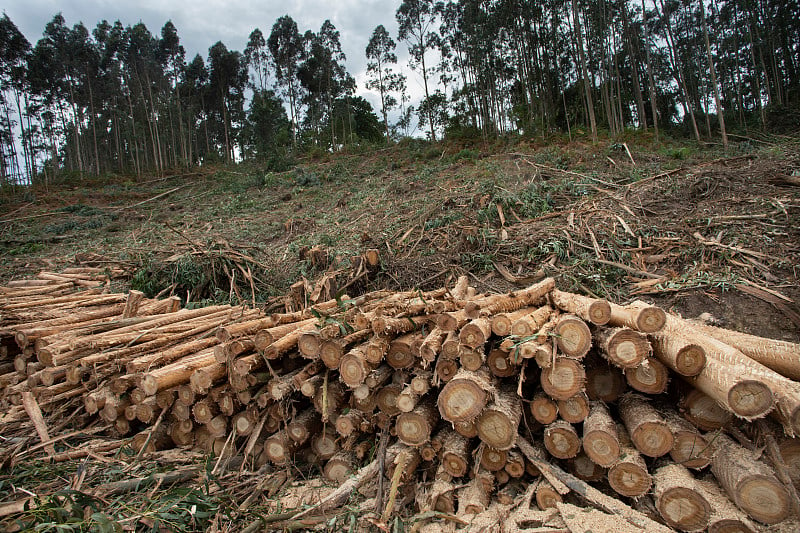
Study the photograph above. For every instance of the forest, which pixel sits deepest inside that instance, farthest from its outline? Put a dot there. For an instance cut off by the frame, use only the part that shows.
(120, 99)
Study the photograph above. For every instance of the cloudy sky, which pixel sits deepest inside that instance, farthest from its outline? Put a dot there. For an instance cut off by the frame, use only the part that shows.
(201, 23)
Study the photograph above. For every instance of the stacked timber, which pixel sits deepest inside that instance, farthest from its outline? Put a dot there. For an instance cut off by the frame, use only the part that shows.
(486, 395)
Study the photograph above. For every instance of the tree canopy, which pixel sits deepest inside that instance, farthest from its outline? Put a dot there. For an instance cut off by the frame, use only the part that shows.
(119, 98)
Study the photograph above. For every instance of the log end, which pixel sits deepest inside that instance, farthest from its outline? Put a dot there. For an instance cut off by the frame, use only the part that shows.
(750, 399)
(763, 498)
(684, 509)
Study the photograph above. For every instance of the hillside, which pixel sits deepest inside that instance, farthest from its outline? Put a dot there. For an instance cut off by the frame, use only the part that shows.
(697, 228)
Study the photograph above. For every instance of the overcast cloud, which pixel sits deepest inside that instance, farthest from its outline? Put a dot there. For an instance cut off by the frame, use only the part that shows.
(201, 23)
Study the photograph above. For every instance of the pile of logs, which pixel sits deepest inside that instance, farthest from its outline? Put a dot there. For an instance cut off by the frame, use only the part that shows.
(487, 395)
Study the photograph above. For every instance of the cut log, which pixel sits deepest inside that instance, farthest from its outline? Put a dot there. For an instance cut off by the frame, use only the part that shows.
(403, 351)
(339, 467)
(737, 390)
(725, 516)
(491, 459)
(646, 427)
(386, 399)
(498, 423)
(474, 498)
(546, 496)
(515, 464)
(445, 369)
(175, 373)
(605, 383)
(586, 469)
(790, 452)
(430, 347)
(629, 476)
(573, 336)
(349, 423)
(597, 312)
(600, 441)
(328, 400)
(475, 333)
(561, 440)
(279, 447)
(644, 318)
(529, 324)
(651, 377)
(623, 347)
(543, 408)
(502, 322)
(703, 411)
(303, 426)
(749, 482)
(324, 444)
(471, 359)
(455, 453)
(689, 448)
(679, 499)
(574, 410)
(780, 356)
(678, 353)
(354, 367)
(415, 428)
(564, 379)
(464, 397)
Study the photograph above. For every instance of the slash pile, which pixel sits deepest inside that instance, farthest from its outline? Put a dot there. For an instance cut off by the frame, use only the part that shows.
(534, 392)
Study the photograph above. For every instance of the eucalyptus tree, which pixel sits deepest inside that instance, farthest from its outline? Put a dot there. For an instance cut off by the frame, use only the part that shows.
(380, 75)
(416, 26)
(226, 87)
(14, 52)
(323, 76)
(287, 48)
(256, 56)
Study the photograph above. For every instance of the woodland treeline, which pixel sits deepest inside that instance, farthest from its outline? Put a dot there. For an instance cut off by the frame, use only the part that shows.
(117, 98)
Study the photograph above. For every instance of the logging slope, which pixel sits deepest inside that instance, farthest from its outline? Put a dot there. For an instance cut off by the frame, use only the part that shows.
(694, 228)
